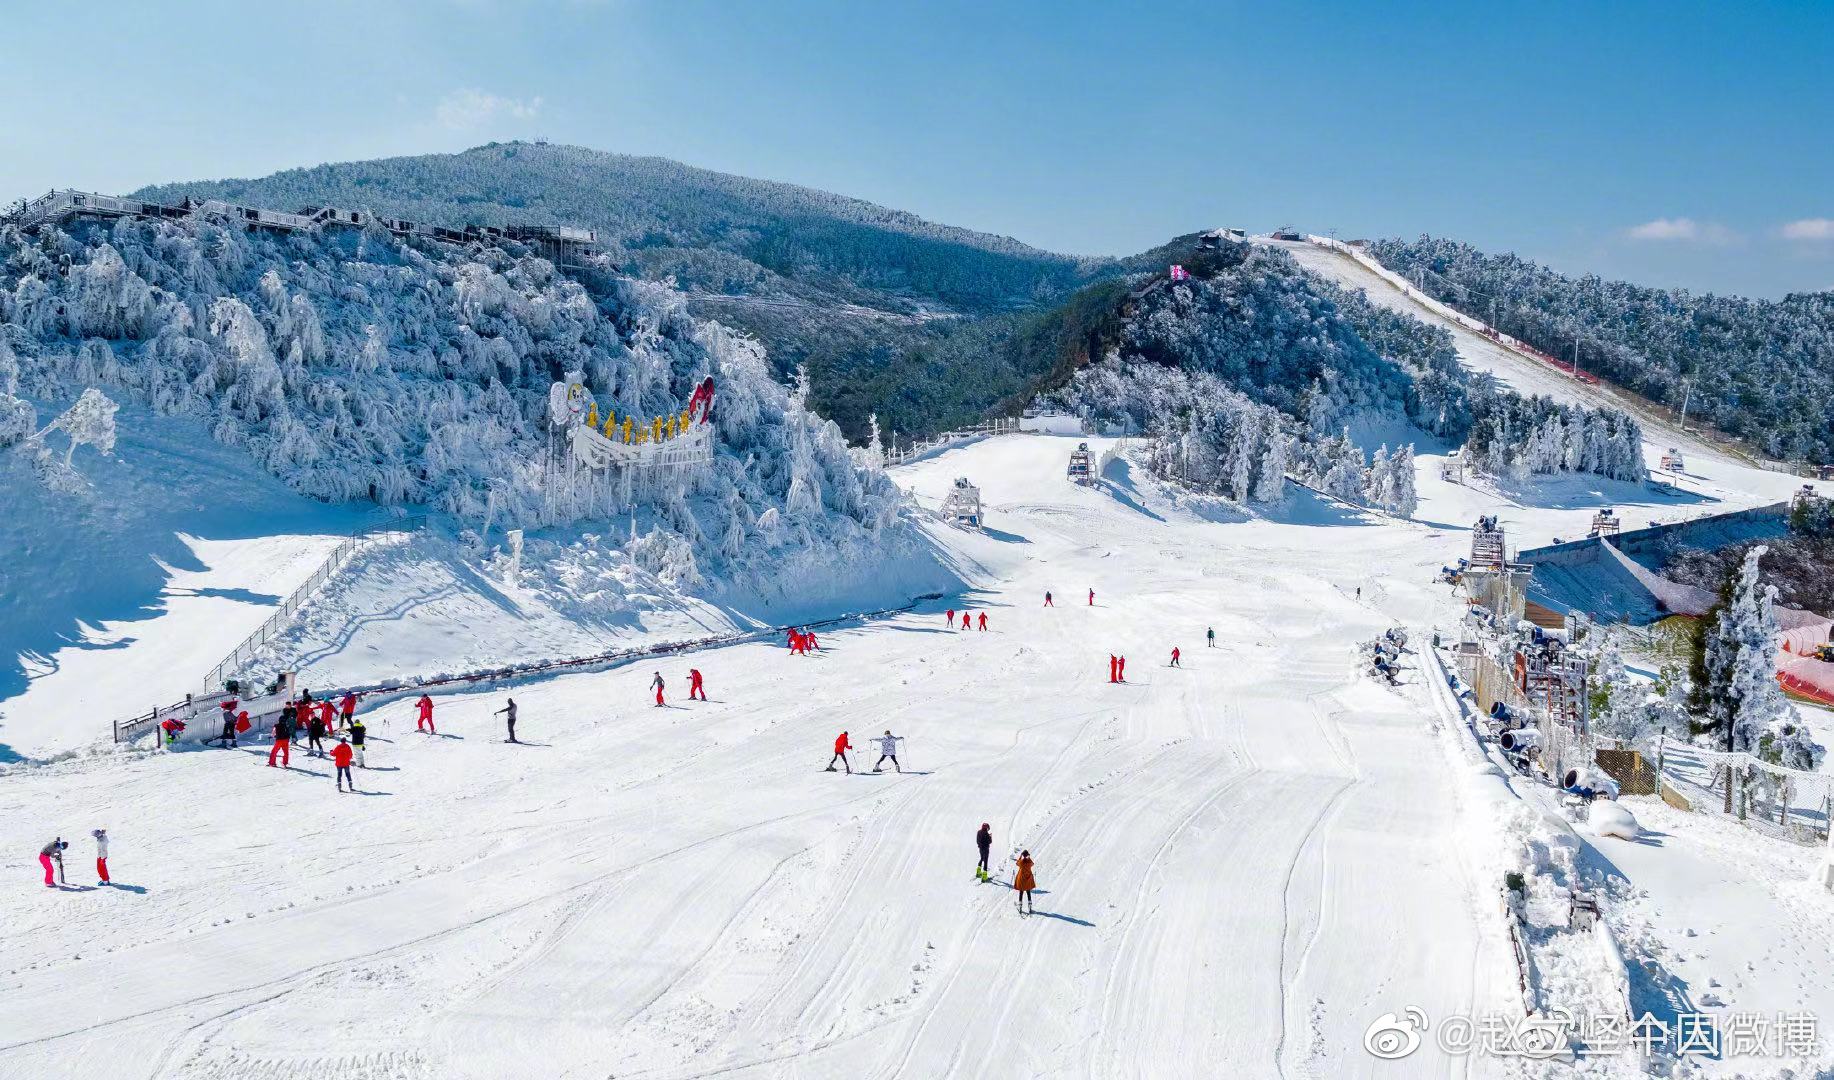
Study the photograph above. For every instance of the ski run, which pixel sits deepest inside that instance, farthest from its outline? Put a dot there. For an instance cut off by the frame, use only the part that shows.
(1242, 863)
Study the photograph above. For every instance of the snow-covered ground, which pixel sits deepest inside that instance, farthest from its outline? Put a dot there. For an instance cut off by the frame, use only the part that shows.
(1242, 861)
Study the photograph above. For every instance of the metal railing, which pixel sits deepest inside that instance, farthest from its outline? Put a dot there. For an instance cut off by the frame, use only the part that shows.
(297, 599)
(997, 426)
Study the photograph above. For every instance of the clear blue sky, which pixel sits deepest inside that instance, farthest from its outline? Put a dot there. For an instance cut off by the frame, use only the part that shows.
(1668, 143)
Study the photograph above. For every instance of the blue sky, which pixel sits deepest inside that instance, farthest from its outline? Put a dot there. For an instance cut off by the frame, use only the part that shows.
(1672, 144)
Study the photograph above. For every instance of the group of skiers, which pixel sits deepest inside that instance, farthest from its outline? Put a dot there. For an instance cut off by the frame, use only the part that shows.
(967, 620)
(52, 856)
(801, 641)
(1024, 881)
(1049, 603)
(888, 751)
(697, 687)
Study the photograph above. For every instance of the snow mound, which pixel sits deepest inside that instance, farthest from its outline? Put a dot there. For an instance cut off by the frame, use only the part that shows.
(1613, 819)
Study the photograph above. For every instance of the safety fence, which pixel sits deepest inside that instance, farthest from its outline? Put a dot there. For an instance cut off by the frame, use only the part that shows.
(290, 606)
(1789, 804)
(193, 708)
(896, 455)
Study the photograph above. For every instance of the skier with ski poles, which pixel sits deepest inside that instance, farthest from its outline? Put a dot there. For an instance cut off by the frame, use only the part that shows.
(841, 746)
(888, 748)
(695, 685)
(101, 836)
(1174, 656)
(984, 841)
(1024, 883)
(53, 852)
(656, 685)
(508, 712)
(425, 705)
(1091, 597)
(340, 757)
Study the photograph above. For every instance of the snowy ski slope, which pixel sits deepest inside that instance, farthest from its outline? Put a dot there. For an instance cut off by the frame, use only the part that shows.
(1242, 862)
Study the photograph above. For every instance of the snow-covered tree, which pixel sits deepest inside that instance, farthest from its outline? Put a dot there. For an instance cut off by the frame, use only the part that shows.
(1739, 693)
(89, 422)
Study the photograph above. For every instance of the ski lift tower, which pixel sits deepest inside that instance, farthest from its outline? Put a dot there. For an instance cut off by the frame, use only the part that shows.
(1452, 469)
(1082, 465)
(1604, 523)
(1491, 580)
(963, 506)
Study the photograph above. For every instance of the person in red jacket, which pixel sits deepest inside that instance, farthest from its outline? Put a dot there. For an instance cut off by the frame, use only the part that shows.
(949, 615)
(983, 620)
(1047, 600)
(348, 707)
(694, 685)
(1112, 676)
(1091, 597)
(841, 746)
(1174, 656)
(327, 715)
(795, 640)
(425, 704)
(1120, 670)
(967, 617)
(340, 756)
(809, 642)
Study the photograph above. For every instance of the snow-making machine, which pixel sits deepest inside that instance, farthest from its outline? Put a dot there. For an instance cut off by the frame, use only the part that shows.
(1082, 465)
(963, 505)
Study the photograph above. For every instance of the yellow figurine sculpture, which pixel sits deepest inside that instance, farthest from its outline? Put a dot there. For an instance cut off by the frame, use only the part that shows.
(592, 416)
(627, 431)
(611, 424)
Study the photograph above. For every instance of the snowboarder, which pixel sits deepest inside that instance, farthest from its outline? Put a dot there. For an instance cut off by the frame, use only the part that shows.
(283, 738)
(508, 712)
(1024, 883)
(52, 852)
(949, 616)
(695, 685)
(348, 707)
(1112, 676)
(315, 733)
(888, 748)
(340, 756)
(1047, 600)
(1210, 637)
(984, 841)
(983, 620)
(425, 705)
(1120, 669)
(1091, 597)
(1174, 656)
(841, 746)
(656, 685)
(359, 733)
(101, 836)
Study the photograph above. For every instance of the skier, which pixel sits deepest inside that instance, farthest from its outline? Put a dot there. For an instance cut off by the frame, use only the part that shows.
(1359, 592)
(809, 642)
(1024, 883)
(54, 851)
(795, 642)
(983, 620)
(359, 732)
(1174, 656)
(348, 707)
(841, 746)
(1047, 599)
(888, 748)
(984, 841)
(1120, 669)
(340, 756)
(695, 685)
(656, 685)
(967, 617)
(228, 738)
(508, 712)
(1112, 677)
(315, 732)
(283, 738)
(327, 715)
(172, 727)
(425, 705)
(949, 615)
(1210, 637)
(1091, 597)
(101, 836)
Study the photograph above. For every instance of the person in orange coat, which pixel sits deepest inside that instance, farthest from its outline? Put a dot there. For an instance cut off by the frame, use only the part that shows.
(841, 746)
(340, 756)
(1024, 883)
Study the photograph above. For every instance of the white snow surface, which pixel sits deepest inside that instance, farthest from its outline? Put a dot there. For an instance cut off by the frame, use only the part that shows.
(1242, 862)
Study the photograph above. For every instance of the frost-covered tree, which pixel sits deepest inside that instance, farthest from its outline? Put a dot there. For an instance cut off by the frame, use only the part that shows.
(89, 422)
(17, 417)
(1737, 689)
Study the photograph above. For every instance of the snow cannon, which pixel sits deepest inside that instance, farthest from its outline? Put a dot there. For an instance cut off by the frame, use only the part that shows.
(1590, 780)
(1520, 741)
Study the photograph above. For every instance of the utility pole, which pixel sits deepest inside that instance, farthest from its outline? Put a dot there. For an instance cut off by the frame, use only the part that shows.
(1576, 356)
(1687, 392)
